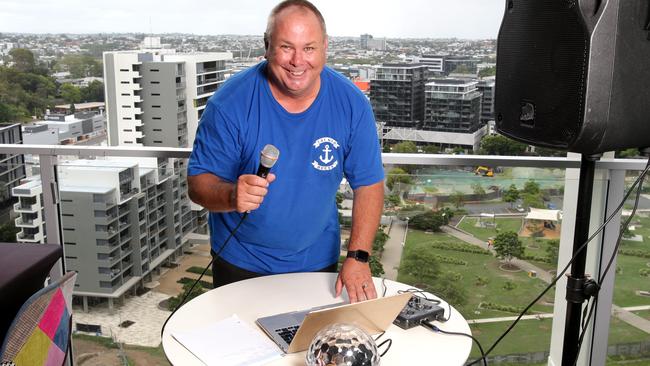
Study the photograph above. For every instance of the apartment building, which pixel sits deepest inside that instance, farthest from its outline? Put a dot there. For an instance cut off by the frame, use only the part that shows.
(452, 105)
(157, 97)
(12, 166)
(397, 94)
(486, 87)
(121, 219)
(65, 129)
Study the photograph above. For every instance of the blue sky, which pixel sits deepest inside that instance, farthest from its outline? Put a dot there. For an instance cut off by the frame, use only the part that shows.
(381, 18)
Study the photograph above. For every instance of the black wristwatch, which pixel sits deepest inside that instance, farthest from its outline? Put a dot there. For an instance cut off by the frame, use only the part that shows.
(359, 255)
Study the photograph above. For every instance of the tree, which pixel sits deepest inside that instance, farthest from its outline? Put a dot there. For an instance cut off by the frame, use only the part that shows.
(94, 92)
(376, 268)
(398, 175)
(70, 93)
(511, 195)
(405, 147)
(8, 232)
(628, 153)
(392, 200)
(430, 220)
(552, 250)
(531, 187)
(507, 246)
(478, 189)
(501, 145)
(488, 71)
(532, 200)
(457, 199)
(463, 69)
(23, 60)
(175, 301)
(80, 66)
(339, 199)
(422, 265)
(431, 149)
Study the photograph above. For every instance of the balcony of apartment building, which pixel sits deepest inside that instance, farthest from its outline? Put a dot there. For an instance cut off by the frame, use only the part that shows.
(30, 235)
(28, 220)
(27, 205)
(480, 214)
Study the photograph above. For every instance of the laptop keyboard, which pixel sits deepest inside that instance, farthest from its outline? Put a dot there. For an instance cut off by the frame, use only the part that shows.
(287, 333)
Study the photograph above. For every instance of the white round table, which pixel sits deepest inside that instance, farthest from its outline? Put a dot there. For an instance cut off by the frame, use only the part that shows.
(263, 296)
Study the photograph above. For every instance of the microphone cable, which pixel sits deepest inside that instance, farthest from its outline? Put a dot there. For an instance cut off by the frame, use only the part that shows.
(221, 248)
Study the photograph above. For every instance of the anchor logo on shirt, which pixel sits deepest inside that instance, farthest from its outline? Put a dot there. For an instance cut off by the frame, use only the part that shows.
(326, 156)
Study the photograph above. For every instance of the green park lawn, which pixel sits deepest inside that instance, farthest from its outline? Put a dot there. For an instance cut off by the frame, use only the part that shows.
(528, 335)
(486, 266)
(535, 336)
(532, 246)
(643, 313)
(468, 224)
(628, 281)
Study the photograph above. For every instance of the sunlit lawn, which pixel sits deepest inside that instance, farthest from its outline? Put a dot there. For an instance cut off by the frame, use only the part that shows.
(535, 336)
(485, 266)
(628, 281)
(484, 233)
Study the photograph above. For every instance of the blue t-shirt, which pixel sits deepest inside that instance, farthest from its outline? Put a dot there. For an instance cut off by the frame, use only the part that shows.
(296, 228)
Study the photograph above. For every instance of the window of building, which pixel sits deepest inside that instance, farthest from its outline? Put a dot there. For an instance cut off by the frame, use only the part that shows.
(128, 130)
(124, 82)
(124, 70)
(157, 142)
(155, 82)
(157, 129)
(68, 229)
(156, 118)
(70, 257)
(69, 243)
(68, 215)
(155, 106)
(154, 70)
(155, 94)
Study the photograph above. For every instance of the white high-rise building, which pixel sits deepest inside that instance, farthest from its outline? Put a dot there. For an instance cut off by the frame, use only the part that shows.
(155, 97)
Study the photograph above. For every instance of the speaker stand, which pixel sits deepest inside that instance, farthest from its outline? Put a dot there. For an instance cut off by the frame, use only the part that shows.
(579, 288)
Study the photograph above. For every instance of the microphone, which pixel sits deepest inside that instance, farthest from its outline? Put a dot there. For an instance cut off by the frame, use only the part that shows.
(268, 157)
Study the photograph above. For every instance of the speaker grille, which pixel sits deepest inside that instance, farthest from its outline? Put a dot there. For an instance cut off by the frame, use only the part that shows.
(542, 55)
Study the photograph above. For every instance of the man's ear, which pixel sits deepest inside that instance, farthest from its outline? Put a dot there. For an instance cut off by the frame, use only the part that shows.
(266, 43)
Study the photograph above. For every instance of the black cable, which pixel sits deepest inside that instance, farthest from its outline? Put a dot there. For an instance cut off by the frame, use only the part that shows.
(419, 293)
(580, 249)
(433, 328)
(624, 226)
(223, 246)
(584, 327)
(390, 343)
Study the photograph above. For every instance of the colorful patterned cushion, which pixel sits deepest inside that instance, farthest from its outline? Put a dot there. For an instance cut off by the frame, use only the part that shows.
(40, 333)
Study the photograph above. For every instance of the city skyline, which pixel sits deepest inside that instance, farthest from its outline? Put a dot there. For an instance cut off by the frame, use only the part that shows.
(467, 19)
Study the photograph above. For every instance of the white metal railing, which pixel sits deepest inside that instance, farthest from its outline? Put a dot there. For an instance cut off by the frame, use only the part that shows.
(608, 196)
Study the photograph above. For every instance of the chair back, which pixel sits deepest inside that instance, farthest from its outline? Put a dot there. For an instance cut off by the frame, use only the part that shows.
(40, 332)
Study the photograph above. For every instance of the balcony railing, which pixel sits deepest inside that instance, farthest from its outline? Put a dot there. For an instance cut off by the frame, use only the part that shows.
(423, 189)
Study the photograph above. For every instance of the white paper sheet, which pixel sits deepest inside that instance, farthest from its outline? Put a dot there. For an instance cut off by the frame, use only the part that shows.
(229, 342)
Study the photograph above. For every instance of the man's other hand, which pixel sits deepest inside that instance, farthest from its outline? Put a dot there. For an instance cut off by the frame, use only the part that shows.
(357, 279)
(250, 191)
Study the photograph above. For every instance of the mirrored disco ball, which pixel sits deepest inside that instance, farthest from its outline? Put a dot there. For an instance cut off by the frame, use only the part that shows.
(342, 345)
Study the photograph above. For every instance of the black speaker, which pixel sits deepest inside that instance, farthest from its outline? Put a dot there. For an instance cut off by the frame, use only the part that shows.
(574, 74)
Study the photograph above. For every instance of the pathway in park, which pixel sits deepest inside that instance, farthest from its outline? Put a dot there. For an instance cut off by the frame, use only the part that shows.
(544, 316)
(621, 313)
(392, 255)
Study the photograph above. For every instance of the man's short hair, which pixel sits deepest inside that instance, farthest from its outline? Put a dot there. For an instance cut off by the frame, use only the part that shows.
(287, 4)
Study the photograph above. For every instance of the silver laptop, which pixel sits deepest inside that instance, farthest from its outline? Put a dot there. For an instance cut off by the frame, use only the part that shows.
(294, 331)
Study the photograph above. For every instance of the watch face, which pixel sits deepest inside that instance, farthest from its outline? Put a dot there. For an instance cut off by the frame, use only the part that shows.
(361, 255)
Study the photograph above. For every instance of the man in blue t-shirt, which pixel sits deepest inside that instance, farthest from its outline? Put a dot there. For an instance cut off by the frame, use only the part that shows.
(323, 127)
